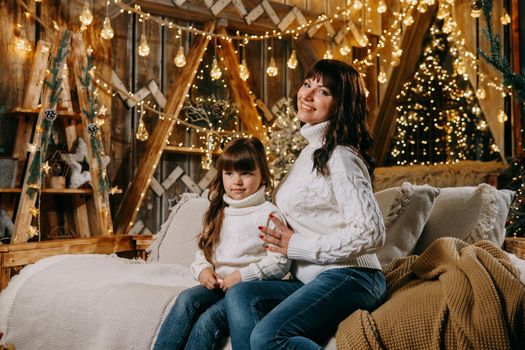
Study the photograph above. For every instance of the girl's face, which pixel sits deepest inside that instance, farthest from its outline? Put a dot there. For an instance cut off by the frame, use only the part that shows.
(314, 102)
(241, 184)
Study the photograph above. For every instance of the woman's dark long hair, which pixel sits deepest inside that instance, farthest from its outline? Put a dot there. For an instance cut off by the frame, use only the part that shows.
(246, 154)
(348, 123)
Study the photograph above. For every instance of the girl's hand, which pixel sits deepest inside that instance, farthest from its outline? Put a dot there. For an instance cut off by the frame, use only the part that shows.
(230, 280)
(277, 238)
(209, 279)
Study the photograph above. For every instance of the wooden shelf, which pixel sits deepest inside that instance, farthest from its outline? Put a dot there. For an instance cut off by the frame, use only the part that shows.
(34, 113)
(54, 191)
(187, 150)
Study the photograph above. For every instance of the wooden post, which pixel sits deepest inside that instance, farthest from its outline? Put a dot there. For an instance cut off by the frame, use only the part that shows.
(411, 44)
(239, 88)
(23, 216)
(157, 140)
(101, 221)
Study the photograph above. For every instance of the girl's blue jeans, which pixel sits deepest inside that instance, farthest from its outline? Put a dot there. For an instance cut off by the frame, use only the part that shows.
(282, 314)
(196, 321)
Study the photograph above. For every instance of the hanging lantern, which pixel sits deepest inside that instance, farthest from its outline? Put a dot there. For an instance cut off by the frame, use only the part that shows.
(215, 71)
(244, 73)
(86, 18)
(381, 7)
(272, 68)
(142, 133)
(180, 59)
(107, 32)
(144, 49)
(292, 61)
(345, 49)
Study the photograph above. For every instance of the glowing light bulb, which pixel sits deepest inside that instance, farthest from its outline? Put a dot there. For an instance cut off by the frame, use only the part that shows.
(142, 133)
(345, 49)
(215, 71)
(505, 18)
(86, 18)
(408, 20)
(244, 73)
(328, 55)
(481, 94)
(272, 68)
(502, 116)
(381, 7)
(363, 41)
(107, 32)
(381, 78)
(143, 49)
(357, 5)
(180, 59)
(292, 61)
(21, 43)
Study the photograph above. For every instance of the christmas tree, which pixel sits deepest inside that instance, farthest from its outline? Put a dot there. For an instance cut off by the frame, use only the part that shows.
(439, 120)
(285, 141)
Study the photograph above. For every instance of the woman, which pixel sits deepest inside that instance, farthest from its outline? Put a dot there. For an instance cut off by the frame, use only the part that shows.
(335, 225)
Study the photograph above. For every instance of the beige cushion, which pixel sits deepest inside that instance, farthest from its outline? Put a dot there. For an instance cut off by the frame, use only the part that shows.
(469, 213)
(175, 243)
(405, 210)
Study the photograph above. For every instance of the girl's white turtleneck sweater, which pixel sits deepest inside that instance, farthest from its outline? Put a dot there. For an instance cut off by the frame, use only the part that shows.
(336, 218)
(240, 247)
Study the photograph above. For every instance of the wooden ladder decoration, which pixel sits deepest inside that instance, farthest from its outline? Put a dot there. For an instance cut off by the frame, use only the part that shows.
(134, 195)
(101, 219)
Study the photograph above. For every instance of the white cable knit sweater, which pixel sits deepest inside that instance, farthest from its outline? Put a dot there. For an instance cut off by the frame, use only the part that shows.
(336, 217)
(240, 247)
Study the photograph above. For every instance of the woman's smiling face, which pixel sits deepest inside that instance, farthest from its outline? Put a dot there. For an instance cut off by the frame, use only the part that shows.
(314, 102)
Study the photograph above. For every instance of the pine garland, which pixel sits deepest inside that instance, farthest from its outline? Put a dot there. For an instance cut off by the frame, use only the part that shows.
(86, 81)
(499, 61)
(46, 127)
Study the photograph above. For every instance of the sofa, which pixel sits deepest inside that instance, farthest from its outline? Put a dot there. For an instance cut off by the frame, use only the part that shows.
(107, 302)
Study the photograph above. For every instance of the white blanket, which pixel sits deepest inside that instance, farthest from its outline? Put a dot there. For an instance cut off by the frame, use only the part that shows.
(89, 302)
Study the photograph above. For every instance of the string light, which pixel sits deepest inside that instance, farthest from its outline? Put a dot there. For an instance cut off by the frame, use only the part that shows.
(505, 18)
(142, 133)
(215, 71)
(381, 78)
(86, 18)
(180, 58)
(22, 44)
(381, 7)
(272, 69)
(502, 116)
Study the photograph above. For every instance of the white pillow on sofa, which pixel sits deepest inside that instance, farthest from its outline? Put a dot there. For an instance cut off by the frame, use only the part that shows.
(405, 210)
(470, 213)
(176, 243)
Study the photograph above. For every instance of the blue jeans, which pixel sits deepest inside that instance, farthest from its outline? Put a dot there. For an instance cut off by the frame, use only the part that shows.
(291, 315)
(197, 321)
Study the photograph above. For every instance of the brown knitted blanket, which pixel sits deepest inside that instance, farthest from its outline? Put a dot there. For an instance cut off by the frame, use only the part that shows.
(453, 296)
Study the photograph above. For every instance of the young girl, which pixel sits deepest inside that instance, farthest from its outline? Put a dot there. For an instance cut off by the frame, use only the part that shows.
(230, 249)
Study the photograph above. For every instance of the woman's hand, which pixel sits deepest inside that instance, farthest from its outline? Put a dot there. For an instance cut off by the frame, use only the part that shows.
(277, 238)
(209, 279)
(230, 280)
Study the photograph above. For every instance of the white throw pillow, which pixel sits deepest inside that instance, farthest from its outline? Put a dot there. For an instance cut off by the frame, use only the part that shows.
(176, 243)
(405, 210)
(471, 213)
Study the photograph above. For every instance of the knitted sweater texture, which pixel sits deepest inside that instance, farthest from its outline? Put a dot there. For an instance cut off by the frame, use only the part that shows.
(336, 218)
(239, 247)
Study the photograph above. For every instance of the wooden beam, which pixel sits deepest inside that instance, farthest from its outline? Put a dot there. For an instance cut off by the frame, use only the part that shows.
(306, 53)
(411, 44)
(134, 194)
(239, 88)
(516, 104)
(198, 12)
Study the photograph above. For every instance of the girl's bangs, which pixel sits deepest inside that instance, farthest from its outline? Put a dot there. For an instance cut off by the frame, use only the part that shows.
(238, 159)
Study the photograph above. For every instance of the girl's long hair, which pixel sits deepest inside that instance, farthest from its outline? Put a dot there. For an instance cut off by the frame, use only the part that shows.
(348, 123)
(246, 154)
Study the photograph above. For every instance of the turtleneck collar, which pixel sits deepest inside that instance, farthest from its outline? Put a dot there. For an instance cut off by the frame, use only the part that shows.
(250, 201)
(314, 134)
